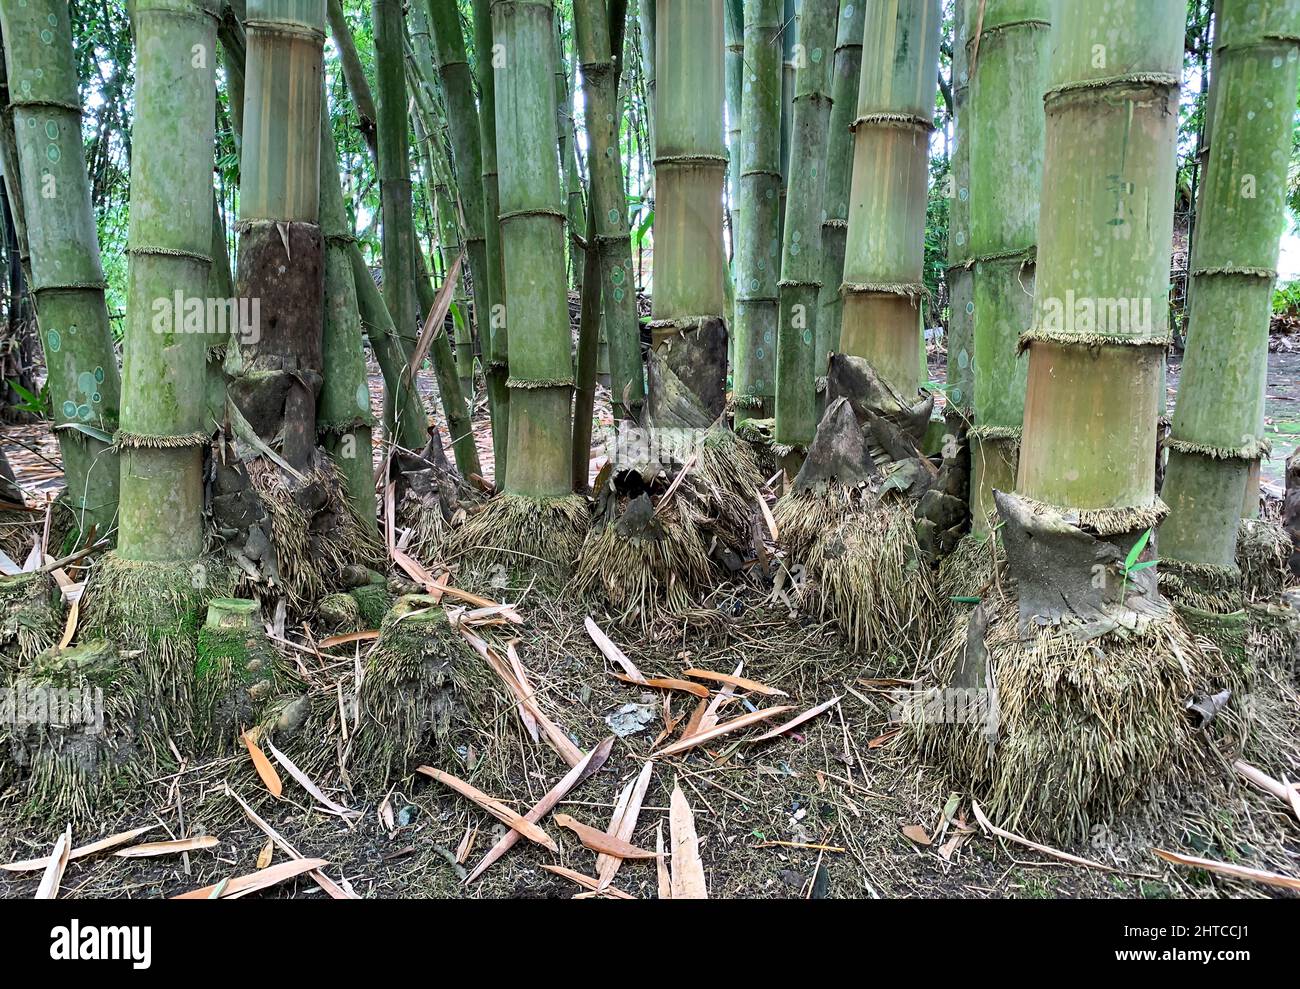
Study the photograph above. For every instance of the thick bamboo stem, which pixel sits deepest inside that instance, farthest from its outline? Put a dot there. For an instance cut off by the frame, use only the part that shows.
(66, 276)
(532, 237)
(163, 427)
(885, 248)
(492, 328)
(758, 252)
(839, 172)
(688, 360)
(1096, 350)
(1216, 437)
(802, 263)
(1005, 149)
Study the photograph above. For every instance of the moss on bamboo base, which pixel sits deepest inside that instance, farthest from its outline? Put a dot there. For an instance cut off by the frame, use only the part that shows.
(28, 621)
(417, 679)
(1081, 727)
(236, 673)
(153, 611)
(515, 537)
(74, 739)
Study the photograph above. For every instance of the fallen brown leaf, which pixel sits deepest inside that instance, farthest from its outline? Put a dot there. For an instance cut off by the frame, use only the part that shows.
(796, 722)
(736, 681)
(1235, 871)
(494, 807)
(599, 841)
(233, 889)
(103, 845)
(53, 877)
(735, 724)
(590, 765)
(270, 778)
(152, 849)
(687, 871)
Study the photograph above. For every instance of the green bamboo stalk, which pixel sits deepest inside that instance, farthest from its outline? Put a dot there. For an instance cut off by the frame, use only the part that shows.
(163, 427)
(688, 359)
(1006, 176)
(532, 237)
(600, 32)
(1216, 435)
(647, 19)
(961, 300)
(734, 35)
(398, 234)
(221, 285)
(66, 277)
(885, 249)
(494, 337)
(343, 417)
(566, 137)
(802, 262)
(405, 416)
(354, 75)
(467, 158)
(758, 270)
(839, 171)
(789, 69)
(1096, 350)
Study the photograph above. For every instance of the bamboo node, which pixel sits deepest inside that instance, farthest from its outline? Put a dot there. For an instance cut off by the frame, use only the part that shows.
(521, 213)
(899, 121)
(910, 290)
(1270, 274)
(536, 384)
(285, 29)
(1256, 449)
(1092, 340)
(1153, 79)
(1104, 522)
(996, 434)
(144, 441)
(19, 103)
(170, 252)
(96, 286)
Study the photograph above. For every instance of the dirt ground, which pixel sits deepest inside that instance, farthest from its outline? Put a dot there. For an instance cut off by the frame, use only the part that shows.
(818, 812)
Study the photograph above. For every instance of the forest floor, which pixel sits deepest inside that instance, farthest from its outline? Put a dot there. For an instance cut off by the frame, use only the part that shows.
(838, 807)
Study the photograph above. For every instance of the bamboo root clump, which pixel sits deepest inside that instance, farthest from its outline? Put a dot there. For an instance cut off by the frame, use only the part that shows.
(416, 681)
(1079, 728)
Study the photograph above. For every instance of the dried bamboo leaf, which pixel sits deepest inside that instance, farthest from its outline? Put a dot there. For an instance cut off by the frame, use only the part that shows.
(1235, 871)
(607, 865)
(735, 724)
(666, 683)
(586, 882)
(661, 864)
(53, 877)
(600, 842)
(796, 722)
(688, 881)
(270, 778)
(103, 845)
(153, 849)
(1045, 849)
(306, 783)
(591, 764)
(494, 807)
(243, 885)
(736, 681)
(612, 652)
